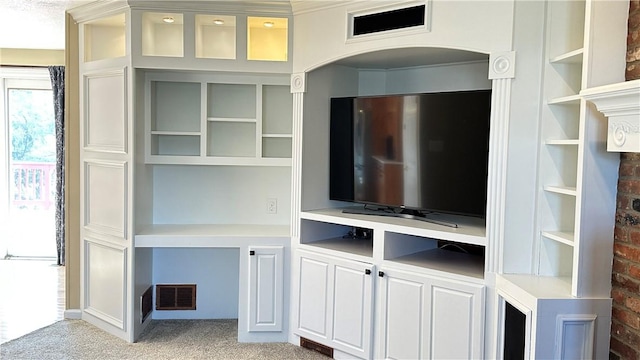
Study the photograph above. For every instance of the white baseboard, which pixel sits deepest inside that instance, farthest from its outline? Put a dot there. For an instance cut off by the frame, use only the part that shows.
(73, 314)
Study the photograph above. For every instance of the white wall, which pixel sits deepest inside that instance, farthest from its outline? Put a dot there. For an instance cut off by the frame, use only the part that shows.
(220, 194)
(215, 273)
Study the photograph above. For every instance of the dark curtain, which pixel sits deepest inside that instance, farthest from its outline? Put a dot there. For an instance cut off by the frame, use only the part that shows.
(57, 85)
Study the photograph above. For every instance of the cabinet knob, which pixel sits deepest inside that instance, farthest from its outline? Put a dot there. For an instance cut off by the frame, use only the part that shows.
(381, 273)
(252, 252)
(367, 271)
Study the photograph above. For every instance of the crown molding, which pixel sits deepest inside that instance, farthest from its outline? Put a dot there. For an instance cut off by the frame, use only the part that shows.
(97, 10)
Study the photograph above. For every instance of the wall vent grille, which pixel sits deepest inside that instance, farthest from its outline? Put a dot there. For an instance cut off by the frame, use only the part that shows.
(146, 304)
(389, 20)
(176, 297)
(312, 345)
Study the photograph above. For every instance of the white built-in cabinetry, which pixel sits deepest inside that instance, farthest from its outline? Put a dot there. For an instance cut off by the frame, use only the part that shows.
(204, 85)
(218, 119)
(418, 293)
(567, 294)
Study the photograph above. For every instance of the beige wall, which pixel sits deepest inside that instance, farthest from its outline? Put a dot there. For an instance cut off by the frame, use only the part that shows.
(72, 160)
(31, 57)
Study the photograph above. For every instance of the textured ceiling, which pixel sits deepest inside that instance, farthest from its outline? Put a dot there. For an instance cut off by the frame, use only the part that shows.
(33, 24)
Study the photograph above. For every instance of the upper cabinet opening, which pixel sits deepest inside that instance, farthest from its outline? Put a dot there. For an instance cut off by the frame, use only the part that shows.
(105, 38)
(162, 34)
(267, 38)
(216, 36)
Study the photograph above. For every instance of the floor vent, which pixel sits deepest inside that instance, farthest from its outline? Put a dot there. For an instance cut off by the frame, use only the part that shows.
(176, 297)
(146, 304)
(312, 345)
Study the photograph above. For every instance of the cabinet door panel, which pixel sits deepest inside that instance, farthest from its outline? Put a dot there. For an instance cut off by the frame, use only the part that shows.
(352, 307)
(266, 286)
(402, 300)
(313, 297)
(456, 312)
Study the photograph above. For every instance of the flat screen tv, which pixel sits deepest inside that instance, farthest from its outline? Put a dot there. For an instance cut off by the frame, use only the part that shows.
(411, 154)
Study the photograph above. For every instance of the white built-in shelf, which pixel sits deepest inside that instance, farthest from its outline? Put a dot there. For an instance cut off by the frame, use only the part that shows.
(565, 100)
(563, 237)
(175, 133)
(448, 262)
(571, 57)
(562, 142)
(532, 288)
(351, 246)
(470, 230)
(218, 160)
(565, 190)
(209, 235)
(239, 120)
(218, 119)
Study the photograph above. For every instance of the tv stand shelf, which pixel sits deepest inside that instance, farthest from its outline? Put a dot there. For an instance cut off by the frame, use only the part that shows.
(470, 230)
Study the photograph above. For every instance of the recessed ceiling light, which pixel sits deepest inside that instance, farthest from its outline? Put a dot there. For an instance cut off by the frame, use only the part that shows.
(168, 19)
(218, 21)
(268, 24)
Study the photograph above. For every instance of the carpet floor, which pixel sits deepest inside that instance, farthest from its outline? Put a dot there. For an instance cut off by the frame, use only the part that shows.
(165, 339)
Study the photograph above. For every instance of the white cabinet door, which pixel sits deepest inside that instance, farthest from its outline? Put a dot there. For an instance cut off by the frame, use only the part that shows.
(266, 271)
(335, 302)
(456, 329)
(424, 317)
(402, 316)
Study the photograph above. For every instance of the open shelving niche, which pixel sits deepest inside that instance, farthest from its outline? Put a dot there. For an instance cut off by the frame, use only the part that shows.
(218, 119)
(404, 243)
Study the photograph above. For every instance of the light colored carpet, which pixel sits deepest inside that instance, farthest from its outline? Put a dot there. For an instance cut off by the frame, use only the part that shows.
(166, 339)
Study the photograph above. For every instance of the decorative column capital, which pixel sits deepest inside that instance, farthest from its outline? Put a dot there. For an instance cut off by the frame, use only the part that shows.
(502, 65)
(298, 82)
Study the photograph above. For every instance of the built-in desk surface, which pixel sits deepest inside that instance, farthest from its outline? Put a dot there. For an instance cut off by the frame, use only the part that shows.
(209, 235)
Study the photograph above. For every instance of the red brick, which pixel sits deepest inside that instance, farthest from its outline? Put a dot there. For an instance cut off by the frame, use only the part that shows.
(627, 219)
(626, 251)
(633, 304)
(624, 282)
(633, 54)
(630, 156)
(623, 202)
(626, 317)
(629, 186)
(633, 236)
(632, 72)
(623, 350)
(618, 296)
(627, 169)
(634, 5)
(619, 266)
(634, 19)
(624, 334)
(634, 271)
(620, 233)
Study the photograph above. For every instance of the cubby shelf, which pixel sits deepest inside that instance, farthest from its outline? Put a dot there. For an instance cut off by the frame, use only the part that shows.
(206, 119)
(560, 236)
(571, 57)
(445, 261)
(564, 190)
(563, 142)
(565, 100)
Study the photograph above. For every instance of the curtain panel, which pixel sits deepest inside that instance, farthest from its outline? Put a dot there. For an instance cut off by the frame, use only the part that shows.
(57, 85)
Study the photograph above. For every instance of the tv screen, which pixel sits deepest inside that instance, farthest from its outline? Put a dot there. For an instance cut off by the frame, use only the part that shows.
(425, 152)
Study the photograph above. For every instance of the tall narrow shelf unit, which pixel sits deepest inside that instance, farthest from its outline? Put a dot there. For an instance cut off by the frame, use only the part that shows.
(567, 293)
(186, 135)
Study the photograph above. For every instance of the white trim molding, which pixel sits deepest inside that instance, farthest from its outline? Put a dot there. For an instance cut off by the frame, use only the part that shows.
(575, 336)
(621, 104)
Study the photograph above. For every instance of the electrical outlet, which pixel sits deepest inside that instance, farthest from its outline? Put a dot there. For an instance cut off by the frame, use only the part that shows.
(272, 206)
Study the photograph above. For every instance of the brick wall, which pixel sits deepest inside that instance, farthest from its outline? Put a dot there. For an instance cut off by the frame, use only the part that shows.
(625, 324)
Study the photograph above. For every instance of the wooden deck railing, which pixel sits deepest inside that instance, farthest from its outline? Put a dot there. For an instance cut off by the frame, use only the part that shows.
(33, 184)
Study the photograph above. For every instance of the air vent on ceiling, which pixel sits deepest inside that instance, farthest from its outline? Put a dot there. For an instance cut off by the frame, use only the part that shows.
(312, 345)
(146, 303)
(176, 297)
(389, 20)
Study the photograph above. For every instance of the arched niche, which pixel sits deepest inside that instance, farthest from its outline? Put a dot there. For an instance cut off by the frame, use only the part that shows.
(405, 70)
